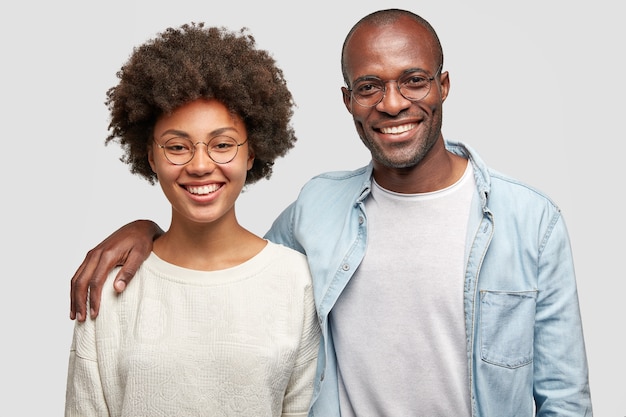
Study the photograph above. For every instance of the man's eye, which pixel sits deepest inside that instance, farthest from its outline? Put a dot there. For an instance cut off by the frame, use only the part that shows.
(366, 89)
(415, 81)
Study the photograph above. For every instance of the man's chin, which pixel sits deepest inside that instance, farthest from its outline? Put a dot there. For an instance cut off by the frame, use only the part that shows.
(396, 163)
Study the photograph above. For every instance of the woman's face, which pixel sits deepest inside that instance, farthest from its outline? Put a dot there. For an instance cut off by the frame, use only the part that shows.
(200, 190)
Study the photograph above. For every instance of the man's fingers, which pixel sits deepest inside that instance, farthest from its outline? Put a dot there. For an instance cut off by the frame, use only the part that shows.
(133, 261)
(105, 265)
(127, 247)
(74, 288)
(80, 284)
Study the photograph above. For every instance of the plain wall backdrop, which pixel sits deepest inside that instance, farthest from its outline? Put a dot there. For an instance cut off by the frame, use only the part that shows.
(537, 88)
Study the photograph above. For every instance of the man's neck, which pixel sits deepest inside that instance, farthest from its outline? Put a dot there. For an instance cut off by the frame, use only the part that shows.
(440, 169)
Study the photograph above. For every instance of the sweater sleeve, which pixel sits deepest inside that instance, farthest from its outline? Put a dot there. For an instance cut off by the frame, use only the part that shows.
(300, 388)
(84, 395)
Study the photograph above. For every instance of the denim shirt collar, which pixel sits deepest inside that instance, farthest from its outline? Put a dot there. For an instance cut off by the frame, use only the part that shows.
(366, 187)
(481, 174)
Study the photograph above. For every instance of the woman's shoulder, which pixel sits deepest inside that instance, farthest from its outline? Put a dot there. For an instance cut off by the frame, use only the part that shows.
(283, 259)
(277, 250)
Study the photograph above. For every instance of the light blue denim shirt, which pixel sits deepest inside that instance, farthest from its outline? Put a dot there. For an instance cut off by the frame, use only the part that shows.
(523, 326)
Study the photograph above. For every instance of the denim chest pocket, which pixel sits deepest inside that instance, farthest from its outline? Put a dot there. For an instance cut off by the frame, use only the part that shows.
(507, 321)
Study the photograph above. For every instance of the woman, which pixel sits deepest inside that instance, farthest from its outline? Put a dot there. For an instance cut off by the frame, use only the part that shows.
(220, 322)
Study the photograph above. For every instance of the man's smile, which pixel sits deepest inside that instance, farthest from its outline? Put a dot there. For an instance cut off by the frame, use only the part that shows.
(394, 130)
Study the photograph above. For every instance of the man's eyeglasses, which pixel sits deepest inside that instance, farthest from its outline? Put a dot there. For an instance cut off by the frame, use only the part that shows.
(180, 151)
(413, 86)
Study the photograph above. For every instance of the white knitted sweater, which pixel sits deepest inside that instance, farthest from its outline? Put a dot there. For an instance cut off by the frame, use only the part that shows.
(179, 342)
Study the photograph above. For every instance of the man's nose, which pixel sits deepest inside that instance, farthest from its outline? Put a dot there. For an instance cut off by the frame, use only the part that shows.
(393, 102)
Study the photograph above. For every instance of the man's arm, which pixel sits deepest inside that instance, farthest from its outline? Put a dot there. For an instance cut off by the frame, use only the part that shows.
(127, 247)
(561, 385)
(282, 229)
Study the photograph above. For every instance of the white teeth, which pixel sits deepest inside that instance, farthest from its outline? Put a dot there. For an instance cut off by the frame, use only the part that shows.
(205, 189)
(397, 129)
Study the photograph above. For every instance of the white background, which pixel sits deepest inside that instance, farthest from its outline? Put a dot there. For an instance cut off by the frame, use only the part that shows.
(537, 88)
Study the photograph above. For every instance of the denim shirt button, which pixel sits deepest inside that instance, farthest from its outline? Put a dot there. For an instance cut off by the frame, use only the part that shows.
(345, 267)
(361, 220)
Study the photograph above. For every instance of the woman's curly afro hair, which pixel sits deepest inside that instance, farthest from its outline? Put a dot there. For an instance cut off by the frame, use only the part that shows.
(183, 64)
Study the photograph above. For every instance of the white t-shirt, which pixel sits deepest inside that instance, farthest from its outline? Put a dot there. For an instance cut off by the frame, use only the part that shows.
(398, 328)
(178, 342)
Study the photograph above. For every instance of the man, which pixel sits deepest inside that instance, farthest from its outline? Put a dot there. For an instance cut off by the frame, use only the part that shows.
(442, 287)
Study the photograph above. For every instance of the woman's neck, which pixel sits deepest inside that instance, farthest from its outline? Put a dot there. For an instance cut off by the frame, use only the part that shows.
(207, 247)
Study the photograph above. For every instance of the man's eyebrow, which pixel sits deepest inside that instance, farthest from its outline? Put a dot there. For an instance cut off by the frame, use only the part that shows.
(406, 71)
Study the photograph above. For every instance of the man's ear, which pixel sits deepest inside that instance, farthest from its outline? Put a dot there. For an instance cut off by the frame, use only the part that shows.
(444, 80)
(347, 98)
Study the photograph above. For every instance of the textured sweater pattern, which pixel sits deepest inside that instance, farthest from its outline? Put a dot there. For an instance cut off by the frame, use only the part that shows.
(178, 342)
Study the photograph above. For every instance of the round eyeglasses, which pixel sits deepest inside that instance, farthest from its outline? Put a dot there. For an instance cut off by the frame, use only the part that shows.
(412, 85)
(180, 151)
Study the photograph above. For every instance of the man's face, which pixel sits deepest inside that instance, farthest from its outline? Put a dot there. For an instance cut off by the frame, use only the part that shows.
(397, 131)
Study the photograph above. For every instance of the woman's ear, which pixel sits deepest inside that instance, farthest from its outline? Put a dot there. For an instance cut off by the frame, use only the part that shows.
(250, 159)
(151, 157)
